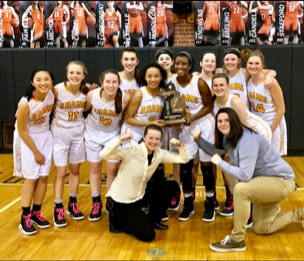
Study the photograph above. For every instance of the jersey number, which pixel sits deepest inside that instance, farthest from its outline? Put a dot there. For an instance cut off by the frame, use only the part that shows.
(258, 108)
(73, 115)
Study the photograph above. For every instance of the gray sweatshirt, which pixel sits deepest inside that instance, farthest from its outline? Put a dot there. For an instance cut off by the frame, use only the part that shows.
(252, 157)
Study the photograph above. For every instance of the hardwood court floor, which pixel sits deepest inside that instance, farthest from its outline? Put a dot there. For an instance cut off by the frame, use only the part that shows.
(85, 240)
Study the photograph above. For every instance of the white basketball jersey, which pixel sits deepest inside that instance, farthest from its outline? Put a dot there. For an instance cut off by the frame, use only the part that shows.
(128, 86)
(103, 116)
(69, 108)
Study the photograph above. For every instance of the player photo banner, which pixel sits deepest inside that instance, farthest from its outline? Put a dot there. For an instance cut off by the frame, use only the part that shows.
(49, 25)
(225, 23)
(199, 22)
(26, 24)
(253, 23)
(108, 27)
(160, 23)
(279, 25)
(135, 23)
(9, 24)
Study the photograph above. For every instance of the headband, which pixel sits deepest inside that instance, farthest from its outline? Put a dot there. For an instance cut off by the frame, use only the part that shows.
(164, 52)
(232, 51)
(188, 55)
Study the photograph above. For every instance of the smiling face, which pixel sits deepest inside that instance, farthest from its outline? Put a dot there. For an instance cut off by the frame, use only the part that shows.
(231, 62)
(208, 63)
(129, 61)
(165, 61)
(153, 77)
(182, 66)
(42, 82)
(75, 74)
(220, 87)
(152, 140)
(110, 84)
(223, 123)
(254, 65)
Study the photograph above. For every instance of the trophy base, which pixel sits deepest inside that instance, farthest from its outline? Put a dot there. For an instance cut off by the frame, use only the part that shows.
(176, 121)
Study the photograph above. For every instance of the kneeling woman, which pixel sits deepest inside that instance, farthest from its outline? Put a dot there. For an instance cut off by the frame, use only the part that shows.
(138, 163)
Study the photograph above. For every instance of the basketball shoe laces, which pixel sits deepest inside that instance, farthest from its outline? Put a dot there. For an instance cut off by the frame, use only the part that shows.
(96, 207)
(27, 219)
(38, 214)
(75, 207)
(60, 212)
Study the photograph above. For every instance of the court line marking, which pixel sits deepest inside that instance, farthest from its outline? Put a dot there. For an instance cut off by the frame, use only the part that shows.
(10, 204)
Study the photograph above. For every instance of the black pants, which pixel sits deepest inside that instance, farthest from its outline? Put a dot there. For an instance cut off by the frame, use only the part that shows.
(132, 220)
(159, 193)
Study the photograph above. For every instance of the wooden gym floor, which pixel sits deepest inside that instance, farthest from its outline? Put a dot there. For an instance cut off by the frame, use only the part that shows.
(85, 240)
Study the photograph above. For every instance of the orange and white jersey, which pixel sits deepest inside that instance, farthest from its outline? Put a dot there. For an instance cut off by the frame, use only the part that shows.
(69, 108)
(6, 15)
(212, 9)
(161, 14)
(293, 9)
(111, 22)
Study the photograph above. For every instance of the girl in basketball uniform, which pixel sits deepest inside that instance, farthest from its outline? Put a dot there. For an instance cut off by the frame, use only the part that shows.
(61, 17)
(103, 124)
(33, 148)
(35, 10)
(68, 138)
(197, 96)
(8, 14)
(130, 76)
(267, 103)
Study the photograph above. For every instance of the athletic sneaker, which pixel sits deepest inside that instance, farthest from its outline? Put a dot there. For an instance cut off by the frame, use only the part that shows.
(74, 211)
(188, 209)
(228, 209)
(209, 214)
(174, 204)
(59, 220)
(228, 244)
(38, 219)
(96, 211)
(249, 222)
(165, 218)
(26, 225)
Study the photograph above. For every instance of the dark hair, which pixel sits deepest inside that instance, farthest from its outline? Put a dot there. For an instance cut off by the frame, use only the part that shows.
(83, 87)
(203, 54)
(220, 75)
(164, 50)
(28, 95)
(189, 57)
(236, 129)
(137, 70)
(153, 127)
(163, 73)
(118, 97)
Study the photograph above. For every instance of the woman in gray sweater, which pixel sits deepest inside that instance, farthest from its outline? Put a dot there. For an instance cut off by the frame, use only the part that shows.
(264, 179)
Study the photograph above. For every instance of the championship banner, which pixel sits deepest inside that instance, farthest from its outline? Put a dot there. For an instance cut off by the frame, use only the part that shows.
(207, 22)
(9, 24)
(83, 30)
(160, 23)
(261, 19)
(134, 23)
(108, 23)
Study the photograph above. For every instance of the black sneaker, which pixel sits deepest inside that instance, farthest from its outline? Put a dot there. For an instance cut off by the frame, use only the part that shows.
(227, 245)
(188, 209)
(249, 222)
(26, 225)
(165, 218)
(74, 211)
(39, 220)
(209, 213)
(228, 209)
(59, 220)
(96, 211)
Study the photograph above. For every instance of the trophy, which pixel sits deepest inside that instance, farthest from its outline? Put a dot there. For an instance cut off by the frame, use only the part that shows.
(173, 112)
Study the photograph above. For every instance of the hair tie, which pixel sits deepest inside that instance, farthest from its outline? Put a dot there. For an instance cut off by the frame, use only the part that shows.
(164, 52)
(188, 55)
(232, 51)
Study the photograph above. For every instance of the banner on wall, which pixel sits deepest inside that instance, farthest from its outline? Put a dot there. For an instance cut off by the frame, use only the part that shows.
(234, 22)
(135, 23)
(207, 22)
(57, 26)
(289, 22)
(83, 23)
(261, 19)
(108, 23)
(160, 23)
(32, 24)
(9, 24)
